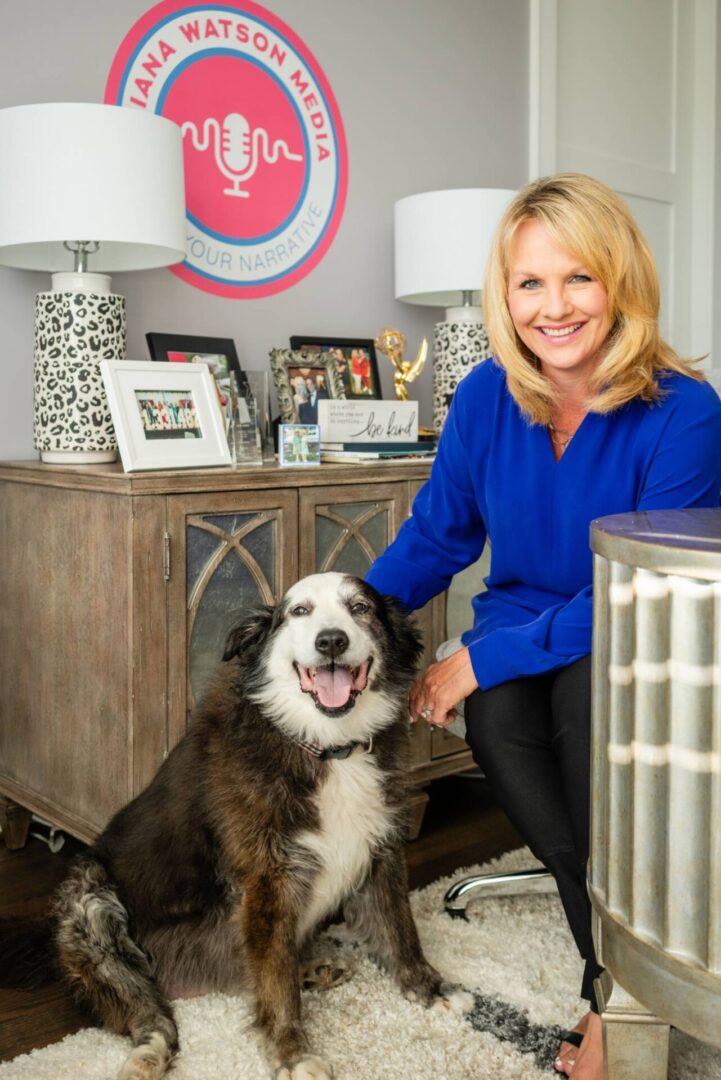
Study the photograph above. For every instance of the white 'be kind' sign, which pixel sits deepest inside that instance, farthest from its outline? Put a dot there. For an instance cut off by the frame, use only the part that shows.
(345, 421)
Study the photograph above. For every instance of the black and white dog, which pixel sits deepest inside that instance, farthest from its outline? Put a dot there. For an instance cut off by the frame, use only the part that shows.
(285, 802)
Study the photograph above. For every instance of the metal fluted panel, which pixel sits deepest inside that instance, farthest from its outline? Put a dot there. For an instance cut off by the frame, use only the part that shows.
(714, 949)
(656, 856)
(655, 881)
(619, 835)
(690, 763)
(646, 751)
(599, 718)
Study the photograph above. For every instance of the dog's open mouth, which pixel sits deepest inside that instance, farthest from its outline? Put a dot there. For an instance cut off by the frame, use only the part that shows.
(334, 687)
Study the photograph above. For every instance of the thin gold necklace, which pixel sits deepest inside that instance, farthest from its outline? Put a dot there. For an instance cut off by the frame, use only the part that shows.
(560, 437)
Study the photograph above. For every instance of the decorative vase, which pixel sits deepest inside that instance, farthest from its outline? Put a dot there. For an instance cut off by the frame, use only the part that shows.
(74, 331)
(457, 348)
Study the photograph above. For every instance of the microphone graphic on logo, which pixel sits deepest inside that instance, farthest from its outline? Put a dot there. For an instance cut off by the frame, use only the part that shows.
(238, 148)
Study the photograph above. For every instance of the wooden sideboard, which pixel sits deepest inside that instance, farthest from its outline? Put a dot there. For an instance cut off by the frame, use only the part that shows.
(117, 591)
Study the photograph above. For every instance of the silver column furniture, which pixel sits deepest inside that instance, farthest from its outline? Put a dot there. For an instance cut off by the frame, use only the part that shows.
(655, 869)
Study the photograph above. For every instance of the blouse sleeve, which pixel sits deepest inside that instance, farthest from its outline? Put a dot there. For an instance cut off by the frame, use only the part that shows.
(445, 532)
(557, 637)
(685, 467)
(684, 470)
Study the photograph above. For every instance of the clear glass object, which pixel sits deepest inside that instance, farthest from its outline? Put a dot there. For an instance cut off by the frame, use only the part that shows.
(259, 383)
(241, 425)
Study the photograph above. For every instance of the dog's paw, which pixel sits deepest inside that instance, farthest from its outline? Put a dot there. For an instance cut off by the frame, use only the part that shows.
(305, 1068)
(458, 1002)
(149, 1061)
(323, 974)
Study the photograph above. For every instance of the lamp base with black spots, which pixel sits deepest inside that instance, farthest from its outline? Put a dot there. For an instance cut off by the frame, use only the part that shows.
(74, 331)
(457, 348)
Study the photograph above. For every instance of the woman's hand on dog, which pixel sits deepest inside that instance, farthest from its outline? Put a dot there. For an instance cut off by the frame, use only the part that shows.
(434, 696)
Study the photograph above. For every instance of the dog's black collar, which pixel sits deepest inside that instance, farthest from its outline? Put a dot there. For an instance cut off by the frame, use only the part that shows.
(337, 753)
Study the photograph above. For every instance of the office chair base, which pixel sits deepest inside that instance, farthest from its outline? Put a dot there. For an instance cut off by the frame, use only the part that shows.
(521, 882)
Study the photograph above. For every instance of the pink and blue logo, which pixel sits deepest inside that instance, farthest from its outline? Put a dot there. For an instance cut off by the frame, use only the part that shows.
(266, 164)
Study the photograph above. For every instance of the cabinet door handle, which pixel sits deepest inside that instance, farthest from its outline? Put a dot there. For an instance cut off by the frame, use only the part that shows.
(166, 556)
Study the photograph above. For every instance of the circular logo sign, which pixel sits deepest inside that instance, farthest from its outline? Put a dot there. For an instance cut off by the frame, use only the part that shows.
(266, 165)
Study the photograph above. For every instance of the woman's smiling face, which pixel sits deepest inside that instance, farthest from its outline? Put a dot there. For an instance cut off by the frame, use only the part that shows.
(560, 311)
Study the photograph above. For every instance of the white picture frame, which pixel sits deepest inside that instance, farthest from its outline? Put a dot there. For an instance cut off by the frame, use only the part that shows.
(166, 416)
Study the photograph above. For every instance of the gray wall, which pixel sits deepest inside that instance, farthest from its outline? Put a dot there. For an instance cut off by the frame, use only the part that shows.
(433, 94)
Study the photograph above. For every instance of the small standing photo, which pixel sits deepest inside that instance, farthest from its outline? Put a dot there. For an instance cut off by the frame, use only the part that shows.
(309, 387)
(166, 416)
(354, 359)
(299, 444)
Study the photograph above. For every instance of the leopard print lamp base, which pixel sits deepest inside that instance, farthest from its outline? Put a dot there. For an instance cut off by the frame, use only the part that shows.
(457, 347)
(71, 416)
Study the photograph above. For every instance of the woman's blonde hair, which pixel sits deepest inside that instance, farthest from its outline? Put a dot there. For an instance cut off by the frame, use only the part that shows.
(589, 220)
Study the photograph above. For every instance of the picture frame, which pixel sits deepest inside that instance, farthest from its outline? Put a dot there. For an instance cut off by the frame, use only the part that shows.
(299, 445)
(293, 373)
(219, 354)
(166, 416)
(355, 358)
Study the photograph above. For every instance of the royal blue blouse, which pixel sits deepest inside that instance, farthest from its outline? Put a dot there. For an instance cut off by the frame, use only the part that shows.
(495, 477)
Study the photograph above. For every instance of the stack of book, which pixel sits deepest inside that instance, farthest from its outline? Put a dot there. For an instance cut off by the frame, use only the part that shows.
(377, 451)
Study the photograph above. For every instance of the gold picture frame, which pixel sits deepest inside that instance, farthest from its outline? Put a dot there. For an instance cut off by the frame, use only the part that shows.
(319, 376)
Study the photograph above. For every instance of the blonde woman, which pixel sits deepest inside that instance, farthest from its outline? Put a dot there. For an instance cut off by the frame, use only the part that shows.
(583, 411)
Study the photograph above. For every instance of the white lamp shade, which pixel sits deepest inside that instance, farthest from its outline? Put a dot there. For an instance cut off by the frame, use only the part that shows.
(90, 172)
(442, 241)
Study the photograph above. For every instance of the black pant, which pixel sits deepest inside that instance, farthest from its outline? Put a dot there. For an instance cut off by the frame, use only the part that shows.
(531, 738)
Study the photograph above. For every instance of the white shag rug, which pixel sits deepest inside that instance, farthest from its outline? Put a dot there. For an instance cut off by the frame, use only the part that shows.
(516, 954)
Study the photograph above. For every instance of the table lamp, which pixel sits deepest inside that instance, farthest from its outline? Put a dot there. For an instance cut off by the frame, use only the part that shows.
(442, 241)
(85, 189)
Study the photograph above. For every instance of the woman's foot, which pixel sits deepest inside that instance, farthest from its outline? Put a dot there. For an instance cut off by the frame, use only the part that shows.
(569, 1051)
(588, 1063)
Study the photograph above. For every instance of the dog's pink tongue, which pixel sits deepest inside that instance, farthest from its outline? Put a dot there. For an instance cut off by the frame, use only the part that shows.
(333, 686)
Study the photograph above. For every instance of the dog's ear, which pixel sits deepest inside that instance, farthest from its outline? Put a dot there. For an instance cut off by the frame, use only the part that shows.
(250, 633)
(403, 631)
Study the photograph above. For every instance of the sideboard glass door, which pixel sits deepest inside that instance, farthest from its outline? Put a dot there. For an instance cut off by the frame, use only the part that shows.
(229, 554)
(343, 532)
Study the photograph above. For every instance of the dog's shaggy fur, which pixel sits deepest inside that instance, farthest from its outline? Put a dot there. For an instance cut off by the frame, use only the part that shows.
(218, 873)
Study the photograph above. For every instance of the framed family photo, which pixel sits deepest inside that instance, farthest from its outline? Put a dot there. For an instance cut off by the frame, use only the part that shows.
(166, 416)
(301, 380)
(354, 358)
(219, 354)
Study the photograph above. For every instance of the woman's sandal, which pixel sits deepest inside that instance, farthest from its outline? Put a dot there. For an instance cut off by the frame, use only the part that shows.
(575, 1038)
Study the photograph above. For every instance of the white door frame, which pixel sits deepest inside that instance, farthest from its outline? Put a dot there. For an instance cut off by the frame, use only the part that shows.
(690, 186)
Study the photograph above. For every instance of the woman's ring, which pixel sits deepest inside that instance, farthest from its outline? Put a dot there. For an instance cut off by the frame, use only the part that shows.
(425, 713)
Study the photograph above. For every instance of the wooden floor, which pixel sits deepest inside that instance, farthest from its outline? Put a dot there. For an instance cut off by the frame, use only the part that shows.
(462, 826)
